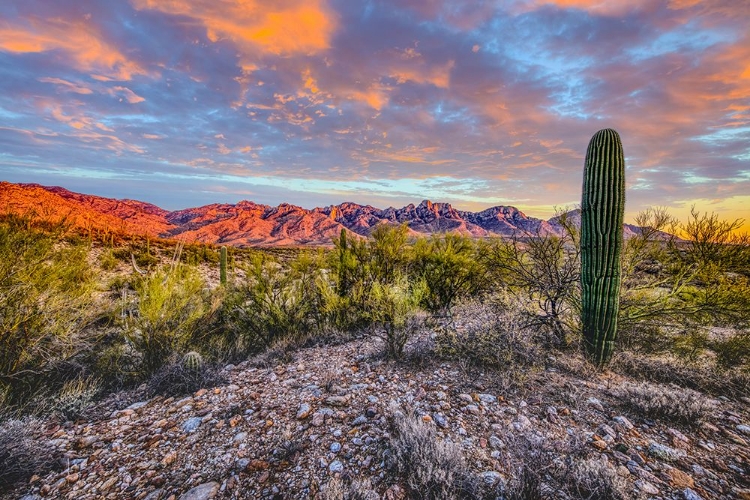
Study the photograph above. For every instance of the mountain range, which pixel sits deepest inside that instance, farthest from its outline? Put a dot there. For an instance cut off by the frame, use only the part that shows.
(250, 224)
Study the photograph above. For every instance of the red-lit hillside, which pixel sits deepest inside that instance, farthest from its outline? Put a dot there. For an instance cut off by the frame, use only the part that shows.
(250, 224)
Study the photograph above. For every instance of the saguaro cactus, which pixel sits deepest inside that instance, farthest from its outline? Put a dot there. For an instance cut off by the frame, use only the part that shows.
(602, 209)
(223, 266)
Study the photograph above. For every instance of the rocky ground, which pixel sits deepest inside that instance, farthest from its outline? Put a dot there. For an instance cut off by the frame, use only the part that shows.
(320, 417)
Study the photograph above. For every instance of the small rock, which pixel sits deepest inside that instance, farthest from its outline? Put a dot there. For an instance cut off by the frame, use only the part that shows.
(335, 447)
(205, 491)
(689, 494)
(466, 398)
(623, 421)
(491, 477)
(606, 430)
(679, 479)
(745, 429)
(360, 420)
(522, 423)
(496, 443)
(552, 414)
(72, 478)
(473, 409)
(304, 411)
(487, 398)
(191, 424)
(440, 420)
(87, 441)
(371, 412)
(678, 435)
(595, 403)
(665, 452)
(338, 400)
(646, 487)
(336, 467)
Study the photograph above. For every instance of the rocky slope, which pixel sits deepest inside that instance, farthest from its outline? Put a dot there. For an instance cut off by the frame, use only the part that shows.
(250, 224)
(299, 425)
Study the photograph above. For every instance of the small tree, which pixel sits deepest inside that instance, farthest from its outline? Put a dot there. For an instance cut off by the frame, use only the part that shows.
(545, 270)
(450, 267)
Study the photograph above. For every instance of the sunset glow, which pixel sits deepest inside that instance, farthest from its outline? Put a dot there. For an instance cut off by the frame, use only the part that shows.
(317, 102)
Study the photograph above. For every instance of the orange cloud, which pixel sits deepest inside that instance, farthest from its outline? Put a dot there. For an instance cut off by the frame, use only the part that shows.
(80, 41)
(439, 76)
(295, 27)
(601, 7)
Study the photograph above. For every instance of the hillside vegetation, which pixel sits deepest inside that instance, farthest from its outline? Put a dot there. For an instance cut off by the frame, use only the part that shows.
(86, 320)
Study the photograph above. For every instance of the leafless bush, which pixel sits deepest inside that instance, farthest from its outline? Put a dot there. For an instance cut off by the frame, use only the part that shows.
(338, 489)
(692, 375)
(597, 480)
(23, 452)
(669, 403)
(430, 467)
(490, 338)
(174, 379)
(559, 469)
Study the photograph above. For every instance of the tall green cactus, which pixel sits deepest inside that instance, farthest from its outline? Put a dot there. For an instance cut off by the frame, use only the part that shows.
(602, 209)
(223, 266)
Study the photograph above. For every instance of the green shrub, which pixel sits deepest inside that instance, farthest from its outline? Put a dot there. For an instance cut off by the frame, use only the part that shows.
(170, 303)
(273, 303)
(450, 267)
(45, 302)
(393, 311)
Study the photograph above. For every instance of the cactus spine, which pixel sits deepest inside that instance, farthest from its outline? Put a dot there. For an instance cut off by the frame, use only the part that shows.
(223, 266)
(602, 209)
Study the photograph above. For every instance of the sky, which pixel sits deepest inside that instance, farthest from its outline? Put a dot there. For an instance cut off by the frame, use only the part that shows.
(384, 102)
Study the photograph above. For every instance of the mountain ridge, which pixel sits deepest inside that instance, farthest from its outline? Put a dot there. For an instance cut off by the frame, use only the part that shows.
(247, 223)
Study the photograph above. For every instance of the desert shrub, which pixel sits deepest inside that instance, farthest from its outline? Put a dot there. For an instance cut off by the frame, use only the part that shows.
(170, 303)
(734, 350)
(107, 260)
(45, 302)
(338, 489)
(558, 469)
(430, 467)
(274, 302)
(176, 378)
(24, 452)
(597, 480)
(544, 270)
(450, 268)
(494, 337)
(669, 403)
(75, 397)
(674, 290)
(386, 255)
(393, 311)
(700, 375)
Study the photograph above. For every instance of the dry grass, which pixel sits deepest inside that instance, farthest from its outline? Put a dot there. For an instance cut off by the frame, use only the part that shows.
(23, 451)
(430, 467)
(668, 403)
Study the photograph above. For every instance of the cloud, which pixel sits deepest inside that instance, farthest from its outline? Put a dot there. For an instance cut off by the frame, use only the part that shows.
(79, 41)
(291, 27)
